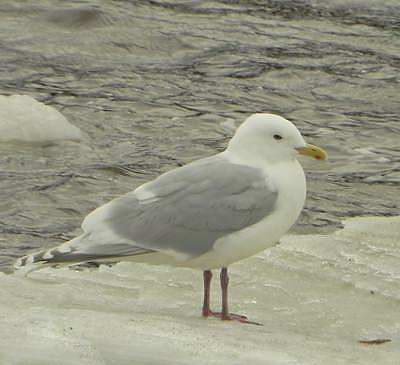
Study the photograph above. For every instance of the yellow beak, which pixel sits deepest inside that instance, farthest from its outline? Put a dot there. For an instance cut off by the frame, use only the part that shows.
(313, 151)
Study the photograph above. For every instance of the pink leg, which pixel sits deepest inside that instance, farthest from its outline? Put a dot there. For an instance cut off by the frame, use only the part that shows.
(224, 314)
(207, 275)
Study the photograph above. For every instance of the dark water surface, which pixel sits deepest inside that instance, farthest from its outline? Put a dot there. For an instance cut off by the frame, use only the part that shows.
(154, 83)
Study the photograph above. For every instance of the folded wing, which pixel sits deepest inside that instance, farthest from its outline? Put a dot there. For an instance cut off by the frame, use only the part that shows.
(182, 212)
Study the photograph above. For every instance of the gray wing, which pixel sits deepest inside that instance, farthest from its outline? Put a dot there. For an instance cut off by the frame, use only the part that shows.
(185, 210)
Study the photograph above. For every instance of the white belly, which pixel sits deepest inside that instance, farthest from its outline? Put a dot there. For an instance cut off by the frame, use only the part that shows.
(267, 232)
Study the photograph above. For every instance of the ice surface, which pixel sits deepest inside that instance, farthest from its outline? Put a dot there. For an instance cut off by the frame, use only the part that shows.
(22, 118)
(317, 296)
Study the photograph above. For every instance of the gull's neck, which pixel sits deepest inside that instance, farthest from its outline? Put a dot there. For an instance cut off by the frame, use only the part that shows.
(256, 160)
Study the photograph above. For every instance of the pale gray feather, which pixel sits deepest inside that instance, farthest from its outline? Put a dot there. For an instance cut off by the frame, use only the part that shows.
(189, 208)
(193, 206)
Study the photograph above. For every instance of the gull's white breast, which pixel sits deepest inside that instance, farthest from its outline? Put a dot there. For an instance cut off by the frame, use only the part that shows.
(290, 180)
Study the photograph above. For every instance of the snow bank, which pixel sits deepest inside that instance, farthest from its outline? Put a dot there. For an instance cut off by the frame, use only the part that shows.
(317, 296)
(24, 119)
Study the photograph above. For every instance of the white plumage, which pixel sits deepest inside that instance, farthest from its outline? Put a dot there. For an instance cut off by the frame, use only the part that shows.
(207, 214)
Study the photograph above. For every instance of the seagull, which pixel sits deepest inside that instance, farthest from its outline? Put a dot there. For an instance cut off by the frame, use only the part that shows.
(205, 215)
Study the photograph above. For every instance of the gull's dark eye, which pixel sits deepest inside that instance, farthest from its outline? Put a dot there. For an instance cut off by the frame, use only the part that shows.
(277, 137)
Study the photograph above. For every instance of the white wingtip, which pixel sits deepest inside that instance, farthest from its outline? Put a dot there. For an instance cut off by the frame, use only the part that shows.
(23, 269)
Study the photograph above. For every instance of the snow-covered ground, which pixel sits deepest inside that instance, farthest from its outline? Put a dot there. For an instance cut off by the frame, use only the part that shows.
(317, 297)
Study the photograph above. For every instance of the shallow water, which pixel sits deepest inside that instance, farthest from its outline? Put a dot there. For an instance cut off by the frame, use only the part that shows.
(154, 84)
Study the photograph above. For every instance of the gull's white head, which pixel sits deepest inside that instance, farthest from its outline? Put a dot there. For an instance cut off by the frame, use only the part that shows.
(272, 138)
